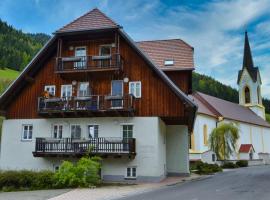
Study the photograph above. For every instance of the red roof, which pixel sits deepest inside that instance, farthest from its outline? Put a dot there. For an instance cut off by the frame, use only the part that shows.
(245, 148)
(172, 49)
(94, 19)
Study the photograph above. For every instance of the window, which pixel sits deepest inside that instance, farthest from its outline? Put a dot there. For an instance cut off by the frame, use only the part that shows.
(168, 62)
(57, 131)
(259, 95)
(66, 91)
(205, 136)
(135, 88)
(76, 131)
(247, 95)
(117, 90)
(50, 89)
(27, 132)
(131, 172)
(81, 53)
(93, 131)
(213, 157)
(83, 89)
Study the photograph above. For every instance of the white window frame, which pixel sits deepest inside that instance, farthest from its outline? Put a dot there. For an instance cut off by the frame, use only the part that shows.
(80, 64)
(22, 136)
(131, 172)
(71, 130)
(169, 62)
(134, 92)
(128, 131)
(117, 107)
(49, 87)
(94, 125)
(62, 87)
(78, 89)
(57, 131)
(105, 45)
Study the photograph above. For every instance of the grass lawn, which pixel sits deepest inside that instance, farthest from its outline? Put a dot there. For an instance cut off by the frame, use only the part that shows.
(8, 74)
(267, 116)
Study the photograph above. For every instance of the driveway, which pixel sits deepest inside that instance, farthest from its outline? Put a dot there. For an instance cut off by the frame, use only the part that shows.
(241, 184)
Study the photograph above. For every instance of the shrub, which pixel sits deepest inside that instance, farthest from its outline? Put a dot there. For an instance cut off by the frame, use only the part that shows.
(205, 168)
(194, 165)
(84, 174)
(242, 163)
(229, 165)
(25, 179)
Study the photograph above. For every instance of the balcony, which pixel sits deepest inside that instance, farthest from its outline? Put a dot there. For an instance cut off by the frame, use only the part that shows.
(89, 63)
(90, 106)
(68, 147)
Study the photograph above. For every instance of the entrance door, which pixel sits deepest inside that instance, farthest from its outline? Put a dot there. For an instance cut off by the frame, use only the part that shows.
(105, 50)
(127, 135)
(57, 131)
(81, 53)
(117, 91)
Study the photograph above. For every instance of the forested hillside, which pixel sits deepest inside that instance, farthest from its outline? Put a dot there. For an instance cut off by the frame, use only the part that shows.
(17, 48)
(208, 85)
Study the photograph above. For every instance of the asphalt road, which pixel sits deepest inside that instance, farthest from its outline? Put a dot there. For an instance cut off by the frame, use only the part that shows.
(252, 183)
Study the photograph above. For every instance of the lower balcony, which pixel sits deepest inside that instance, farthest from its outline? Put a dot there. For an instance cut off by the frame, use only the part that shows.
(68, 147)
(87, 106)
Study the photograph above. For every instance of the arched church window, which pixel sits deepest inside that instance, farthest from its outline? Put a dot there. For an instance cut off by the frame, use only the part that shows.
(259, 95)
(247, 95)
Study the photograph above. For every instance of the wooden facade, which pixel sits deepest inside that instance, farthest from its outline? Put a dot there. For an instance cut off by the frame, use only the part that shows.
(157, 98)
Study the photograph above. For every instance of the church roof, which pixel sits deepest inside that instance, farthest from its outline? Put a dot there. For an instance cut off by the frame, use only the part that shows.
(248, 62)
(92, 20)
(228, 110)
(245, 148)
(176, 50)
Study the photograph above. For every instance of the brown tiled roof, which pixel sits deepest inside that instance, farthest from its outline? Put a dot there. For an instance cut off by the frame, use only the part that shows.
(245, 148)
(229, 110)
(94, 19)
(173, 49)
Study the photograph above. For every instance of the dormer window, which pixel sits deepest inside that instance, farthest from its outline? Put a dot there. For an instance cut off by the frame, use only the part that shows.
(169, 62)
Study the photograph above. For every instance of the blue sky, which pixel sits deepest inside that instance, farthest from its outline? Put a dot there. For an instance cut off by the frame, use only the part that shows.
(214, 28)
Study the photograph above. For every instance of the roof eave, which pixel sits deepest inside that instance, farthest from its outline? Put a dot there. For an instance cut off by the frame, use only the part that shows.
(81, 31)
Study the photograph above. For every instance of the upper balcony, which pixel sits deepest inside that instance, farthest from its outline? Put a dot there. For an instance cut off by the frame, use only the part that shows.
(87, 106)
(99, 63)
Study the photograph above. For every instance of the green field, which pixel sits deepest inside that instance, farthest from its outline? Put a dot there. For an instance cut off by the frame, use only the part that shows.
(8, 74)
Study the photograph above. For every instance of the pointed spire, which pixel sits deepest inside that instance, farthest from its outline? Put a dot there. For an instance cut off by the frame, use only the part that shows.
(247, 59)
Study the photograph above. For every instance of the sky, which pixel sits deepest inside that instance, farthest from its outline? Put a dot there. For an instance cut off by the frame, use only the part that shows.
(215, 28)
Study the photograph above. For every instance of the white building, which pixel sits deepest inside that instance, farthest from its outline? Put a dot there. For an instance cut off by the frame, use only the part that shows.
(248, 115)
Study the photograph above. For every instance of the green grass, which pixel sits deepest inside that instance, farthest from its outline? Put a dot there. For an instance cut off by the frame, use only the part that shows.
(8, 74)
(267, 117)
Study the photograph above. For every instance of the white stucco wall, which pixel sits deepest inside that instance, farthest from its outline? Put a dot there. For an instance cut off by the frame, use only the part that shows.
(258, 136)
(148, 131)
(177, 150)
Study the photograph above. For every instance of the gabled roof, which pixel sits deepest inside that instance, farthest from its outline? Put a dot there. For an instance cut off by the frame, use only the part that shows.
(248, 62)
(172, 49)
(245, 148)
(94, 19)
(228, 110)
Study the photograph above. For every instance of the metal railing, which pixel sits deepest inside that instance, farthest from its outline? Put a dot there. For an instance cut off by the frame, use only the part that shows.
(100, 145)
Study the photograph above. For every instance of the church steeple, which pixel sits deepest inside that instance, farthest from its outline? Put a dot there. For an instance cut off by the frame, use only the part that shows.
(247, 59)
(249, 82)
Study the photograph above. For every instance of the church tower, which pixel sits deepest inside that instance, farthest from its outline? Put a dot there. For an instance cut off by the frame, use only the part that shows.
(249, 82)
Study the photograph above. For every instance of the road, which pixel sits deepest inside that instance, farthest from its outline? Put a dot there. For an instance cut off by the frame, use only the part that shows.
(252, 183)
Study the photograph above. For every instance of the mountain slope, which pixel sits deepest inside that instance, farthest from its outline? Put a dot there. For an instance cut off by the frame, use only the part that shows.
(17, 48)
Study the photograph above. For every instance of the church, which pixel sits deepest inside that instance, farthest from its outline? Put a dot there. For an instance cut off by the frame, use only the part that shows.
(248, 115)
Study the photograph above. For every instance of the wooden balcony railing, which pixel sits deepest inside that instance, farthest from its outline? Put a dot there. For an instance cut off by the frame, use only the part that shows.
(93, 105)
(88, 63)
(46, 147)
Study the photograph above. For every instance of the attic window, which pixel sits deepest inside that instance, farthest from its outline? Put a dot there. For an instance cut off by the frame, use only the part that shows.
(169, 62)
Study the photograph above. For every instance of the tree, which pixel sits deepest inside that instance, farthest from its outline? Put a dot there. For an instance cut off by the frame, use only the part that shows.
(223, 140)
